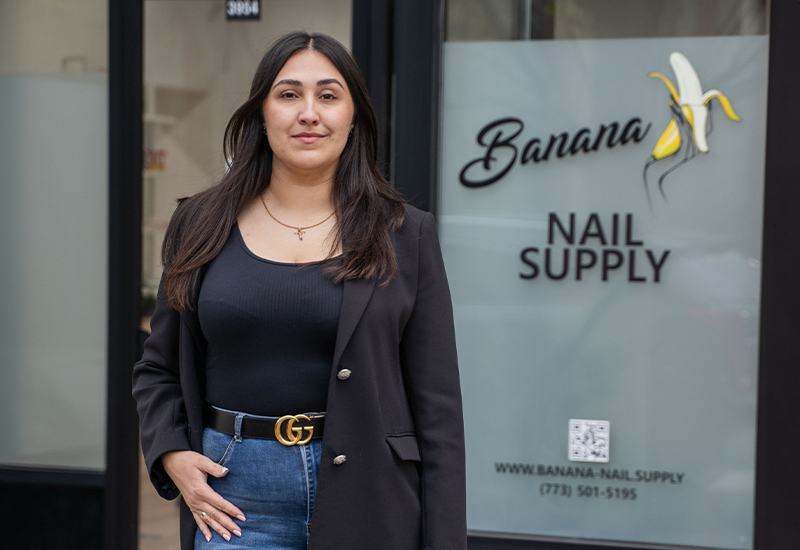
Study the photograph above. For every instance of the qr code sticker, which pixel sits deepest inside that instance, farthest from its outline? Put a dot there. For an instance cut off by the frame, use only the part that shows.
(588, 440)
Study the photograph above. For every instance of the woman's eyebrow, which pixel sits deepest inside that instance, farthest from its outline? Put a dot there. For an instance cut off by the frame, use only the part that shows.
(288, 82)
(327, 81)
(323, 82)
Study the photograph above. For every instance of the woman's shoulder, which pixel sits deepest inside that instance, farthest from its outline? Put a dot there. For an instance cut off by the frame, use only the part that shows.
(191, 211)
(418, 230)
(188, 213)
(414, 220)
(186, 209)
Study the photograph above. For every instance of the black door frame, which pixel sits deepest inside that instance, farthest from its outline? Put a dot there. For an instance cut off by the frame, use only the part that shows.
(397, 44)
(125, 53)
(412, 74)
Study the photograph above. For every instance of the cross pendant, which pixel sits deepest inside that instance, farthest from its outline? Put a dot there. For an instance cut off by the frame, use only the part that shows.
(299, 233)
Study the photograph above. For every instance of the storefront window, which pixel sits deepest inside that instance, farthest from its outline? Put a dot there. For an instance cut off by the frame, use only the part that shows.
(54, 223)
(601, 192)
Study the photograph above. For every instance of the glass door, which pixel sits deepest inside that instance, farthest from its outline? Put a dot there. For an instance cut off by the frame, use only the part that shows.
(601, 212)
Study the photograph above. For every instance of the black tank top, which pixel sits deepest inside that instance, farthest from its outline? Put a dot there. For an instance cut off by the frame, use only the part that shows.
(271, 330)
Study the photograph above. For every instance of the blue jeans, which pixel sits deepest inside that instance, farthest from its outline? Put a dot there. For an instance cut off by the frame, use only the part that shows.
(274, 485)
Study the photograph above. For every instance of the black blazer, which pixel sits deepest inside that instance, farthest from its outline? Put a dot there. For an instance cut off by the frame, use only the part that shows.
(397, 418)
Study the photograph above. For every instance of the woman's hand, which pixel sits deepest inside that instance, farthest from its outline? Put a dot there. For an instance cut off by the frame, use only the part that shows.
(190, 470)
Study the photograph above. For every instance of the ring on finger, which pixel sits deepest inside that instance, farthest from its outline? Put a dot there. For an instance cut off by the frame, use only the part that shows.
(204, 516)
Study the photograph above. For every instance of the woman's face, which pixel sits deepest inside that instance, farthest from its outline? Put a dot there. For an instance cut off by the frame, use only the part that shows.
(308, 114)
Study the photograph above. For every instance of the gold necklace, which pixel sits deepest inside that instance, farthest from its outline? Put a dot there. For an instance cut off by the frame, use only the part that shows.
(299, 230)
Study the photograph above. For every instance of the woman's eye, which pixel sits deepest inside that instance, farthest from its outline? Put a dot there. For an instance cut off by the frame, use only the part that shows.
(288, 95)
(328, 97)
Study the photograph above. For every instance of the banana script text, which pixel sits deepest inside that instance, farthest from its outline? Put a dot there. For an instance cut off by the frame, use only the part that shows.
(501, 151)
(607, 255)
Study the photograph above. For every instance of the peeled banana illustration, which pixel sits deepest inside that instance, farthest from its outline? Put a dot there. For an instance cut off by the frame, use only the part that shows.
(691, 120)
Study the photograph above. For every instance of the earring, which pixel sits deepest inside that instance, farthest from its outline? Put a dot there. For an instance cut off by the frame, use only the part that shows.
(265, 130)
(350, 134)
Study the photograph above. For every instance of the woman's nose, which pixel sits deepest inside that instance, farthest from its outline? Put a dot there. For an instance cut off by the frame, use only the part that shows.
(309, 113)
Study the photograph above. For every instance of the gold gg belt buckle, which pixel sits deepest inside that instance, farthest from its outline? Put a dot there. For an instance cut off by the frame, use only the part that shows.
(293, 435)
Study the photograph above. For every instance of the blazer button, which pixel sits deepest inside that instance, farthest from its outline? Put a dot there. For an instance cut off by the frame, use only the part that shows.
(343, 374)
(339, 459)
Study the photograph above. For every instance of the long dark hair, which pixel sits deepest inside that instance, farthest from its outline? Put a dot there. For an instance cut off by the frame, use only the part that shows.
(367, 207)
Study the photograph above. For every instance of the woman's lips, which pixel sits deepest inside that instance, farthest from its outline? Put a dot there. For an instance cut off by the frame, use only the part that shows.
(307, 137)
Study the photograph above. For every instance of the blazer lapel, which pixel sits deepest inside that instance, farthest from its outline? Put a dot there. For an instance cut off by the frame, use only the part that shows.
(356, 295)
(193, 324)
(192, 319)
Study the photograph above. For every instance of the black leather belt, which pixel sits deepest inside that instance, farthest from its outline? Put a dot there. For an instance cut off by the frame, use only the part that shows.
(290, 430)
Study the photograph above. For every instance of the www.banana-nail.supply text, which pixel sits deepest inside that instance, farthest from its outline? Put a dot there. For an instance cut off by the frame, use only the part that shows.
(576, 261)
(498, 137)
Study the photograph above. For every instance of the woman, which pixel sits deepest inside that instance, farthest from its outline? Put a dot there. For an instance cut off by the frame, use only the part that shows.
(300, 295)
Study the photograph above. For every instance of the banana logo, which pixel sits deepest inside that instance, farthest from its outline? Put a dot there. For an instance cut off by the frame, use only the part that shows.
(691, 119)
